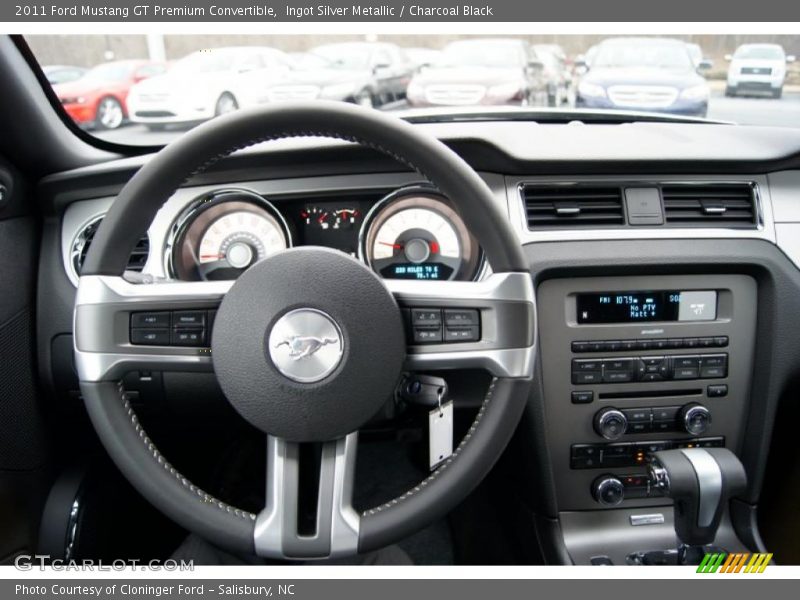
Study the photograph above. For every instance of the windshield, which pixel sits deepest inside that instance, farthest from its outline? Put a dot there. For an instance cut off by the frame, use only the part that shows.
(476, 54)
(166, 84)
(667, 56)
(760, 52)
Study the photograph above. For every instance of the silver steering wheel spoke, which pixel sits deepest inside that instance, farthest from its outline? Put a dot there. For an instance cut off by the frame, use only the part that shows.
(336, 527)
(106, 353)
(505, 306)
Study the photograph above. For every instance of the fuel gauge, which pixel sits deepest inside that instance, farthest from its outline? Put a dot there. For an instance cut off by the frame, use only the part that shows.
(316, 217)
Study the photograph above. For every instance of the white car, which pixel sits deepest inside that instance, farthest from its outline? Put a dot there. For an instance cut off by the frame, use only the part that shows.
(757, 68)
(206, 84)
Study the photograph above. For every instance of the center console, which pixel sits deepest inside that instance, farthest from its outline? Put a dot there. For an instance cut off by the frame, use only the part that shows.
(632, 366)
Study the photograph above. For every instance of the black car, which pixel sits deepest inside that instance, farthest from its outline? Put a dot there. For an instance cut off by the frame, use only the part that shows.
(367, 73)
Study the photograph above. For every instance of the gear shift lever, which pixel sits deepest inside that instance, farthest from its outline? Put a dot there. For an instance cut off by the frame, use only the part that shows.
(700, 482)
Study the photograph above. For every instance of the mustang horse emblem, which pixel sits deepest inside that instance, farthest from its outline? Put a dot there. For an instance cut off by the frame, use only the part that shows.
(301, 346)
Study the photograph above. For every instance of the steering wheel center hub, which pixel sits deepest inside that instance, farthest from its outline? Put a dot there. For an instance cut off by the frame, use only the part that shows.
(308, 344)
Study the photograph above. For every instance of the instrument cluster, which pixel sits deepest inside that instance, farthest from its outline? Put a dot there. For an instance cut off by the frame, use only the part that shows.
(412, 233)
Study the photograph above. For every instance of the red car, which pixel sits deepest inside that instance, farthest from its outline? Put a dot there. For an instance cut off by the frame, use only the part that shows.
(98, 99)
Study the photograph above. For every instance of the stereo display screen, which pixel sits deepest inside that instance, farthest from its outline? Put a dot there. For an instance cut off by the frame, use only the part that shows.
(646, 306)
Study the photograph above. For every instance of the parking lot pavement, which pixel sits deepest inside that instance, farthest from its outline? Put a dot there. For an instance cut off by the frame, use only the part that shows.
(783, 112)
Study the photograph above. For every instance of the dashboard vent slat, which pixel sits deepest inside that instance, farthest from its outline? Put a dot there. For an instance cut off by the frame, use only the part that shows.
(83, 242)
(710, 205)
(573, 206)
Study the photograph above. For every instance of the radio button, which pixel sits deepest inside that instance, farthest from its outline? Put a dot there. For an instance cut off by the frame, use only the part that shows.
(586, 377)
(675, 343)
(586, 365)
(661, 344)
(596, 346)
(613, 346)
(629, 344)
(686, 373)
(721, 341)
(579, 347)
(713, 372)
(583, 397)
(648, 377)
(645, 344)
(714, 360)
(690, 343)
(638, 427)
(617, 376)
(706, 342)
(621, 364)
(682, 362)
(717, 391)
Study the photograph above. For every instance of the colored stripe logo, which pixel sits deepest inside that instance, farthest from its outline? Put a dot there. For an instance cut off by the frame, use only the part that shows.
(740, 562)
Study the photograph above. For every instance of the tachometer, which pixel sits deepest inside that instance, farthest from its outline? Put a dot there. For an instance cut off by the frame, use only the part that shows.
(416, 234)
(225, 233)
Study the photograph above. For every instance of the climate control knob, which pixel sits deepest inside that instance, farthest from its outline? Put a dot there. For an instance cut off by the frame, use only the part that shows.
(610, 423)
(695, 418)
(608, 490)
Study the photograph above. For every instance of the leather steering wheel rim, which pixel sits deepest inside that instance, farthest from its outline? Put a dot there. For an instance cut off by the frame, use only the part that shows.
(131, 214)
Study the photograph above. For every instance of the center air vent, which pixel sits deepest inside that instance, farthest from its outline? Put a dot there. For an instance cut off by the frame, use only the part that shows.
(573, 206)
(80, 247)
(710, 205)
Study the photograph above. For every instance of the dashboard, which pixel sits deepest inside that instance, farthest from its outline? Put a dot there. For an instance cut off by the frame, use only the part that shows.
(665, 282)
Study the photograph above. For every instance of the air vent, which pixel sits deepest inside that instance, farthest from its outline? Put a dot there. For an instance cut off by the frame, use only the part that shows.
(573, 206)
(83, 241)
(710, 205)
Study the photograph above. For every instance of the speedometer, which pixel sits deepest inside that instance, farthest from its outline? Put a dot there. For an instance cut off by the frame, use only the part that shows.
(225, 233)
(416, 234)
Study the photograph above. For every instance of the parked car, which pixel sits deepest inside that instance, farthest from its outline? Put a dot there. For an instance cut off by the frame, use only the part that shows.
(645, 74)
(206, 84)
(759, 68)
(62, 73)
(558, 79)
(481, 72)
(313, 77)
(369, 73)
(99, 98)
(422, 57)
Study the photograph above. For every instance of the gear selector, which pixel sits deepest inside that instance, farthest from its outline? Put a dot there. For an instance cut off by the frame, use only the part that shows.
(700, 481)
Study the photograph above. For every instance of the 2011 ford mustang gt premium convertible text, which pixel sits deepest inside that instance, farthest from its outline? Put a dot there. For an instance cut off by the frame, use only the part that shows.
(314, 331)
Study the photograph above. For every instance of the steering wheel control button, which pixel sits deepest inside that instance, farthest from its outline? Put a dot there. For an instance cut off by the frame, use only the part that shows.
(150, 320)
(189, 318)
(188, 337)
(150, 337)
(426, 317)
(306, 345)
(436, 325)
(461, 317)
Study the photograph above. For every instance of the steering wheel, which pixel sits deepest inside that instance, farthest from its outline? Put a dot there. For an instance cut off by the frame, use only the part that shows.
(323, 387)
